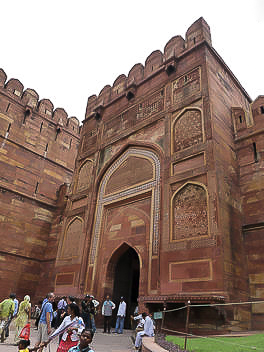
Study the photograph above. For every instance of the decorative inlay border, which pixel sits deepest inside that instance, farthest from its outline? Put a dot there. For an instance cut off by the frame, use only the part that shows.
(153, 185)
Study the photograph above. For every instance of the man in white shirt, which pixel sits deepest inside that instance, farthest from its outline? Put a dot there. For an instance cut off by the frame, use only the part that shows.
(120, 319)
(148, 331)
(140, 321)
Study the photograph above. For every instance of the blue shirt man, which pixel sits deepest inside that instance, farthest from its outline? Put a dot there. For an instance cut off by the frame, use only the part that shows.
(44, 327)
(46, 308)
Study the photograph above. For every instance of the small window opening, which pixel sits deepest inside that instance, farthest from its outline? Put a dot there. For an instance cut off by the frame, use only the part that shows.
(130, 95)
(185, 78)
(240, 119)
(262, 109)
(70, 143)
(47, 145)
(36, 188)
(8, 106)
(194, 40)
(73, 128)
(8, 128)
(57, 133)
(162, 93)
(152, 68)
(140, 106)
(255, 152)
(41, 125)
(27, 114)
(97, 116)
(170, 69)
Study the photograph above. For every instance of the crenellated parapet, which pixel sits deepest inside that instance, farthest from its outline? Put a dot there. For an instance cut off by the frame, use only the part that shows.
(38, 148)
(257, 106)
(248, 123)
(126, 86)
(28, 99)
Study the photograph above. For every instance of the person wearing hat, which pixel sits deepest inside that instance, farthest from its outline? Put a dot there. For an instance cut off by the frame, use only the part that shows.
(120, 319)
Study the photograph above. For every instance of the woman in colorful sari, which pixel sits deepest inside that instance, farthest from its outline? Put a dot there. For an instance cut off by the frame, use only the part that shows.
(71, 326)
(23, 316)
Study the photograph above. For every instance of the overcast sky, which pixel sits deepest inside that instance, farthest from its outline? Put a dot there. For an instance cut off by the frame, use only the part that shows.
(69, 50)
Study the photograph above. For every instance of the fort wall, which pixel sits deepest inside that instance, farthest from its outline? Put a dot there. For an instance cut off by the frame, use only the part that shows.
(38, 147)
(248, 137)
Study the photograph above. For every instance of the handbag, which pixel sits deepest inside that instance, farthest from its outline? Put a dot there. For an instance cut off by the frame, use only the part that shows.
(25, 332)
(38, 318)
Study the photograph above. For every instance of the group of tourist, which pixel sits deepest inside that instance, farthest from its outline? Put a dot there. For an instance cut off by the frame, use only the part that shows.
(74, 328)
(11, 309)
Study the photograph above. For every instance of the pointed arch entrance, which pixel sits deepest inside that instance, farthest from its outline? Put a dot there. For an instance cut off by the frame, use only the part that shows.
(130, 187)
(122, 276)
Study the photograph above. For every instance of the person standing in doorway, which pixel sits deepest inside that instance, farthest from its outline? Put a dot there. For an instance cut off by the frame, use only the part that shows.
(107, 310)
(120, 319)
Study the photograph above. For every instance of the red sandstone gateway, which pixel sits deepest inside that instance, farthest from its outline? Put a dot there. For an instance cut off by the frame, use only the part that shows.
(165, 203)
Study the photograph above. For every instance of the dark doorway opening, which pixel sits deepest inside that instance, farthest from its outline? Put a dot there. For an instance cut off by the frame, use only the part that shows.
(126, 282)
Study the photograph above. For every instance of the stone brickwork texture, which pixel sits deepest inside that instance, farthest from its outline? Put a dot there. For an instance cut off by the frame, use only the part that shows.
(38, 146)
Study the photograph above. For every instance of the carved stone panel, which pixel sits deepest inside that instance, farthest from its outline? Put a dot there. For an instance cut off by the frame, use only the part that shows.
(131, 172)
(84, 177)
(190, 213)
(72, 241)
(89, 140)
(151, 106)
(186, 86)
(187, 130)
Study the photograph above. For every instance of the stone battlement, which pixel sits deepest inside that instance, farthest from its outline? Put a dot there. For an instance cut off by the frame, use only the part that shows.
(157, 61)
(29, 99)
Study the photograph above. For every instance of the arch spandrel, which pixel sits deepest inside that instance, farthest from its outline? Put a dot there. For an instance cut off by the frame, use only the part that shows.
(127, 221)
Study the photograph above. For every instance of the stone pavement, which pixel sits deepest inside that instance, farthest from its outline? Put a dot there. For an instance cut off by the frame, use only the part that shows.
(101, 342)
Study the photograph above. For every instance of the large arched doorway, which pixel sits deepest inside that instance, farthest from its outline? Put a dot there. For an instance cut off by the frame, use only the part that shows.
(125, 272)
(130, 187)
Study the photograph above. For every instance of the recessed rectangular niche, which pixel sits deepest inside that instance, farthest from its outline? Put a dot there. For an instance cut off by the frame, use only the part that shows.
(79, 203)
(64, 279)
(191, 163)
(189, 271)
